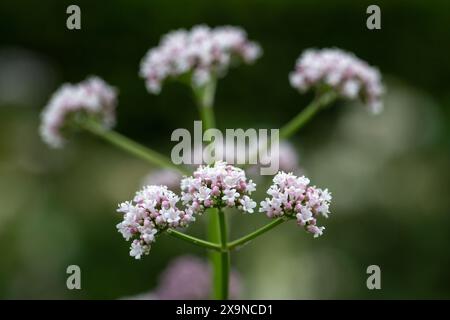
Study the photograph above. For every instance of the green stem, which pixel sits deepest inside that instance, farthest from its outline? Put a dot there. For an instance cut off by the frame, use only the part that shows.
(222, 290)
(133, 147)
(215, 258)
(297, 122)
(194, 240)
(207, 115)
(306, 114)
(244, 240)
(205, 101)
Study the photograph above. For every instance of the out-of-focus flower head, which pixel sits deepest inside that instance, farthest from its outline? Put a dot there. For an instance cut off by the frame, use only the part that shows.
(294, 197)
(200, 54)
(189, 277)
(93, 98)
(341, 71)
(151, 212)
(219, 185)
(288, 157)
(166, 177)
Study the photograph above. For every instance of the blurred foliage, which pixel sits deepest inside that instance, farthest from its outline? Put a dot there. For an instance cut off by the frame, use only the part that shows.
(389, 174)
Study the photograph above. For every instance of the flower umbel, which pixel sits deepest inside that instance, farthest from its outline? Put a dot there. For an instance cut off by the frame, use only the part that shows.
(341, 71)
(151, 212)
(293, 197)
(218, 186)
(91, 98)
(200, 53)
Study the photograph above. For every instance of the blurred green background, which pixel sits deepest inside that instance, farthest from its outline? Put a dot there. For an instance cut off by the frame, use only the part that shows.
(389, 174)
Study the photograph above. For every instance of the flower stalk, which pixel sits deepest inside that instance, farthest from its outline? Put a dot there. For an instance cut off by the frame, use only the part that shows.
(236, 244)
(216, 223)
(205, 101)
(221, 289)
(132, 147)
(194, 240)
(306, 114)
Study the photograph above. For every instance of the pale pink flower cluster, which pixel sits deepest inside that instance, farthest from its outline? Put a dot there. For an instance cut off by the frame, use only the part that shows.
(219, 185)
(152, 210)
(348, 75)
(293, 197)
(92, 98)
(201, 53)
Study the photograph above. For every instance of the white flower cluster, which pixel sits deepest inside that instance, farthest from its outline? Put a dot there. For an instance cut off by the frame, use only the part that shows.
(220, 185)
(152, 211)
(349, 76)
(92, 97)
(292, 196)
(201, 52)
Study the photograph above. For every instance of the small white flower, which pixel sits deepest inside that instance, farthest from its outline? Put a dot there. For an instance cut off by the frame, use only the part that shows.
(316, 231)
(247, 204)
(203, 193)
(148, 234)
(186, 198)
(305, 215)
(171, 215)
(124, 207)
(326, 195)
(137, 250)
(264, 206)
(230, 195)
(125, 229)
(251, 187)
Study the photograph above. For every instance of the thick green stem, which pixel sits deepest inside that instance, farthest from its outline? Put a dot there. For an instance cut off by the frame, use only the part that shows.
(205, 102)
(244, 240)
(215, 258)
(222, 287)
(133, 147)
(194, 240)
(207, 115)
(306, 114)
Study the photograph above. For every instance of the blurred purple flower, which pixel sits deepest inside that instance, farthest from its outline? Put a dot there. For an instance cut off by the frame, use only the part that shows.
(188, 278)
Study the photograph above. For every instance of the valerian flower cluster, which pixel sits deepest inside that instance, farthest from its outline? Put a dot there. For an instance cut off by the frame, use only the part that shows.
(294, 197)
(341, 71)
(92, 98)
(200, 53)
(220, 185)
(154, 208)
(152, 211)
